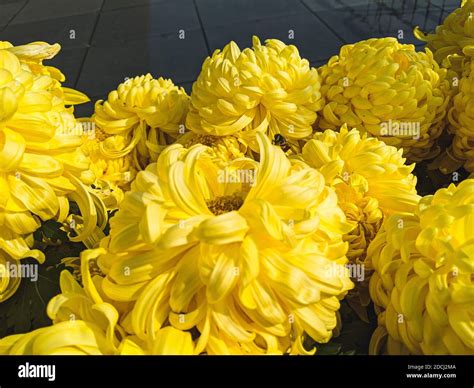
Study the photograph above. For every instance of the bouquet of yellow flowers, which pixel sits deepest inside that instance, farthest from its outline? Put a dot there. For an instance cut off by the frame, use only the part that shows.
(254, 215)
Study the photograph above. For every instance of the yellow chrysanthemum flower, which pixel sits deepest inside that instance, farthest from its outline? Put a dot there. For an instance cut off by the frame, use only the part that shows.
(453, 41)
(85, 324)
(129, 130)
(66, 338)
(249, 258)
(371, 181)
(41, 166)
(423, 279)
(389, 91)
(112, 175)
(266, 88)
(33, 55)
(461, 127)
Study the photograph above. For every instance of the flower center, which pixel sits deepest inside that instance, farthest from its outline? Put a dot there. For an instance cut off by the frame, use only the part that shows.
(206, 140)
(225, 204)
(100, 134)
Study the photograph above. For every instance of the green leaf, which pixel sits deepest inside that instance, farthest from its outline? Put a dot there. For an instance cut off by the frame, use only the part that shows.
(51, 230)
(26, 309)
(329, 349)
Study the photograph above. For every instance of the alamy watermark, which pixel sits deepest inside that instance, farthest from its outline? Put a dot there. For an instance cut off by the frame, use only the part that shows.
(355, 271)
(30, 371)
(19, 270)
(247, 176)
(400, 129)
(86, 128)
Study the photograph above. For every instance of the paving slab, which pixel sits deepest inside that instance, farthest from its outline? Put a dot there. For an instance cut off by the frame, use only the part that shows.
(145, 22)
(170, 57)
(360, 24)
(8, 11)
(447, 4)
(69, 61)
(188, 86)
(423, 5)
(87, 109)
(116, 4)
(319, 62)
(37, 10)
(313, 39)
(71, 31)
(224, 13)
(426, 21)
(324, 5)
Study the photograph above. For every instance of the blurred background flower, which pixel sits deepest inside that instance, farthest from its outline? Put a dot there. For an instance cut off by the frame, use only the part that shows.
(460, 153)
(388, 90)
(452, 43)
(422, 284)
